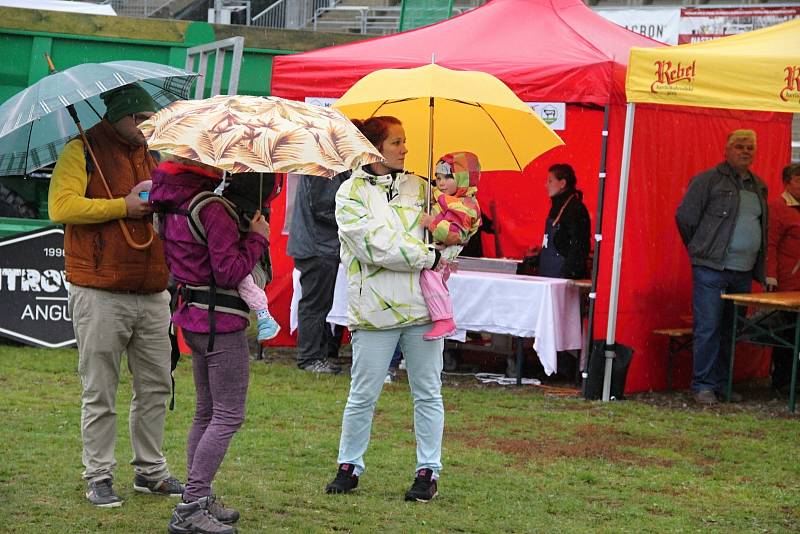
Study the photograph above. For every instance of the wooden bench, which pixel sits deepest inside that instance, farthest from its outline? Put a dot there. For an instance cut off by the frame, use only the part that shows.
(680, 339)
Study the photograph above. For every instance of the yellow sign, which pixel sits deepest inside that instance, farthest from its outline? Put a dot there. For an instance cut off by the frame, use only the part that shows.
(758, 70)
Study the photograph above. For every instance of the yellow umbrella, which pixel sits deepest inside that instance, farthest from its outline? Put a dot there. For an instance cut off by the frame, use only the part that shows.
(445, 110)
(259, 134)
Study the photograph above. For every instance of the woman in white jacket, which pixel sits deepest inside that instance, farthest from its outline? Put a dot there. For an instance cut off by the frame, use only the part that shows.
(383, 249)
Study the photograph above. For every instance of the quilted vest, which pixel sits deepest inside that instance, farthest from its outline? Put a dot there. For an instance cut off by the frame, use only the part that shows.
(97, 255)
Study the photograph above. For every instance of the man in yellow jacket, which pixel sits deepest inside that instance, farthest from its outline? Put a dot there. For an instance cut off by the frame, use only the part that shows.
(117, 296)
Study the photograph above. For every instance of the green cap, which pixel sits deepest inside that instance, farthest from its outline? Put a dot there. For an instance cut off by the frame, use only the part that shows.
(127, 100)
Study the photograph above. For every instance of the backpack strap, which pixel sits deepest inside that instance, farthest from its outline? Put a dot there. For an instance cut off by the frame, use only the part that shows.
(212, 314)
(160, 219)
(226, 300)
(200, 201)
(175, 352)
(211, 297)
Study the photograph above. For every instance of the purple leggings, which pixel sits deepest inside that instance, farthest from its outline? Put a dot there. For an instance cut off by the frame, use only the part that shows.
(220, 381)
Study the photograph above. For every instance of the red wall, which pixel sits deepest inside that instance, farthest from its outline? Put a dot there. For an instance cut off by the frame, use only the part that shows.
(671, 145)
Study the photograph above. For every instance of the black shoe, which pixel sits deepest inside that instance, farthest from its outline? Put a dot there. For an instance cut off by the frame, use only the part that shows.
(345, 481)
(424, 487)
(194, 517)
(101, 493)
(169, 486)
(222, 513)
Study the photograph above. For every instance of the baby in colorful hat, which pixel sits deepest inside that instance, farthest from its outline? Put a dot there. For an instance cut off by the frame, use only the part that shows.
(454, 217)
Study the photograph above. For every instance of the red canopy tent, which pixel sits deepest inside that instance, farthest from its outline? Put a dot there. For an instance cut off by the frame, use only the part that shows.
(561, 51)
(555, 50)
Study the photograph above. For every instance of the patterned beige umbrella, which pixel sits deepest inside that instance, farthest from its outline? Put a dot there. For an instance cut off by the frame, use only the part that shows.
(260, 134)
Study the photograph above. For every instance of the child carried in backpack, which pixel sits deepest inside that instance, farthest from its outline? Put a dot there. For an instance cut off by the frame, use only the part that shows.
(240, 199)
(242, 193)
(455, 216)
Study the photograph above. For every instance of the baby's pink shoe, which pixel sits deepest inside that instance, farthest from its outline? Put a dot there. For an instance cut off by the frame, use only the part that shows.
(441, 329)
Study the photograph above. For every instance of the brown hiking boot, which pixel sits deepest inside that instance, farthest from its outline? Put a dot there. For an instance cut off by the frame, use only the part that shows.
(195, 518)
(222, 513)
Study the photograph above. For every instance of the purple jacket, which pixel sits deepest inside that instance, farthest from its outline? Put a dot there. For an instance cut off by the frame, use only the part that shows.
(230, 256)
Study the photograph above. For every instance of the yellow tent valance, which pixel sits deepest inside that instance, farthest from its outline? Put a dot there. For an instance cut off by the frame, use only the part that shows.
(758, 70)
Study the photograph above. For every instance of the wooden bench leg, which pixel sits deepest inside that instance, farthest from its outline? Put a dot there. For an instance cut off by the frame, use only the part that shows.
(670, 363)
(678, 342)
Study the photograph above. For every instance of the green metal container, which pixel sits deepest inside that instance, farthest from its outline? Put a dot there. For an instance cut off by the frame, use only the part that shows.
(10, 226)
(70, 39)
(26, 35)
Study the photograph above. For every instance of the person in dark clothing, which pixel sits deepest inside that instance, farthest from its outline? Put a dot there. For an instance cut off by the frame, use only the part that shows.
(722, 220)
(250, 193)
(314, 245)
(220, 354)
(565, 245)
(474, 247)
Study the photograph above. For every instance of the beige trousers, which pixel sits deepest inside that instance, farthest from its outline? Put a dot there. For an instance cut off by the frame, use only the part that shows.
(106, 325)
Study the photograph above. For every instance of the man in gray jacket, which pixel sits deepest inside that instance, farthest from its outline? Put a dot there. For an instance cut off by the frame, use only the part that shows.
(723, 223)
(314, 245)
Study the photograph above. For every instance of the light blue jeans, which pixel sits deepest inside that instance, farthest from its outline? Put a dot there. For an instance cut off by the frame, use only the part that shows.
(372, 352)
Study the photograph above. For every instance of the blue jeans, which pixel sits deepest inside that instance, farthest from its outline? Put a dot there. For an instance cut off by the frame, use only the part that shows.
(372, 352)
(713, 324)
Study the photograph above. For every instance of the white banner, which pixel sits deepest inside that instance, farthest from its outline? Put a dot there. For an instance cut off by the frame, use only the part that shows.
(321, 101)
(661, 24)
(705, 23)
(554, 114)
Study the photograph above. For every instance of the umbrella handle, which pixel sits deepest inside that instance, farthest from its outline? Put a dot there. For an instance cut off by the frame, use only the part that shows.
(129, 238)
(125, 232)
(428, 192)
(50, 66)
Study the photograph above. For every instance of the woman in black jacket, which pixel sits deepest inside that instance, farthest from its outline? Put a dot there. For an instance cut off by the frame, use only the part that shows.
(565, 245)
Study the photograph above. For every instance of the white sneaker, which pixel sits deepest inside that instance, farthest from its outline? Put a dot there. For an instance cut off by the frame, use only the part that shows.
(323, 367)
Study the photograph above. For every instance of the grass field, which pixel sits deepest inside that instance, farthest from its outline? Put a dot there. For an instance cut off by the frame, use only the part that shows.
(515, 460)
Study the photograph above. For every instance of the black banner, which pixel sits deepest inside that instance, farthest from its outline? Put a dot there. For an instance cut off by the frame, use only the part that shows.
(34, 289)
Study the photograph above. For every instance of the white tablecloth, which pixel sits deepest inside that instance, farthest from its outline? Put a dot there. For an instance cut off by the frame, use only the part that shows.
(546, 309)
